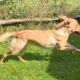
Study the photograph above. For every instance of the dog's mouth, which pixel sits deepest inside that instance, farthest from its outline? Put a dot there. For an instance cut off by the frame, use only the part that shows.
(77, 32)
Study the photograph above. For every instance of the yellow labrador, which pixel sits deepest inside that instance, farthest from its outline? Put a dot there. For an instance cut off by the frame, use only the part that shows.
(46, 38)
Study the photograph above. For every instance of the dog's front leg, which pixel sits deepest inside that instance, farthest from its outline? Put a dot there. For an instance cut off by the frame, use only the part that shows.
(67, 46)
(72, 47)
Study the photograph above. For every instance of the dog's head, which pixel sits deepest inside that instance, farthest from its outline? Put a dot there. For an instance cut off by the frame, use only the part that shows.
(70, 24)
(72, 27)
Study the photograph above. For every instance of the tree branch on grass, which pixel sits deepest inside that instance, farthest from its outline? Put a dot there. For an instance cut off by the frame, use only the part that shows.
(14, 21)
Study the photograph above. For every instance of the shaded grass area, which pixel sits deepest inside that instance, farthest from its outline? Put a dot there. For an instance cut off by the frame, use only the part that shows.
(65, 65)
(42, 64)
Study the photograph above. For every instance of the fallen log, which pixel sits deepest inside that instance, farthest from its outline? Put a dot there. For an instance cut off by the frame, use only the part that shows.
(13, 21)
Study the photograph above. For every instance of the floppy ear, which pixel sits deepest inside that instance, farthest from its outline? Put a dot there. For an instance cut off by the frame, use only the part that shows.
(60, 20)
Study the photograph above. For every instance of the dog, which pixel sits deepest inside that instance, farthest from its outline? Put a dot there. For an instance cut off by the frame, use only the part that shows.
(55, 37)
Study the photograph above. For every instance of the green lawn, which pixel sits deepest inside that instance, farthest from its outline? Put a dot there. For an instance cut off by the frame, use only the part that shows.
(42, 64)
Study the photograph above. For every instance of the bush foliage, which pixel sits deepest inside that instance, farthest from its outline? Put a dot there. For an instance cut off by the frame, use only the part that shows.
(10, 9)
(38, 8)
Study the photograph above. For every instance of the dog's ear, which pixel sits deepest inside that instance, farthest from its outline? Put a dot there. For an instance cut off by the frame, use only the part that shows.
(60, 20)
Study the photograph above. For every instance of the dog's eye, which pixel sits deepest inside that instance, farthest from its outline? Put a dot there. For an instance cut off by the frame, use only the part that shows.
(67, 24)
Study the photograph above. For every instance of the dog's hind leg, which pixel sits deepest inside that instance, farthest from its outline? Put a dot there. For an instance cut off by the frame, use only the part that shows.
(17, 45)
(21, 59)
(9, 53)
(21, 52)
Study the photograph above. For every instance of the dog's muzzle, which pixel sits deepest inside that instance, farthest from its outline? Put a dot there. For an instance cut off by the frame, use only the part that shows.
(76, 32)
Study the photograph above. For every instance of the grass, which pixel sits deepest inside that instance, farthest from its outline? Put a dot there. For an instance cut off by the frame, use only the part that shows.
(33, 69)
(42, 64)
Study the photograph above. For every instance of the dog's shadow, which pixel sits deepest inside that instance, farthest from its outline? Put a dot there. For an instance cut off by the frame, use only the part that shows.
(28, 56)
(36, 56)
(64, 65)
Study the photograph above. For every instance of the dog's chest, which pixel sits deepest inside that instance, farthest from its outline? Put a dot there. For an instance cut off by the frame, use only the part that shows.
(52, 42)
(61, 33)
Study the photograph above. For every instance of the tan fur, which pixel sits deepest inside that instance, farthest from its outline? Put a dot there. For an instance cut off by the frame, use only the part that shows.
(45, 38)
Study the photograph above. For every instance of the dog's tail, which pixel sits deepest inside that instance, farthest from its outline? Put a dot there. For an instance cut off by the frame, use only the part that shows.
(6, 35)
